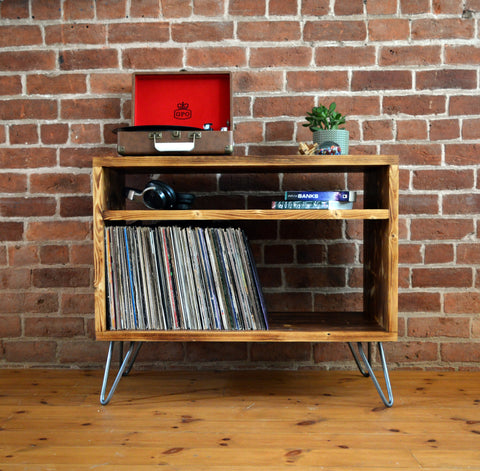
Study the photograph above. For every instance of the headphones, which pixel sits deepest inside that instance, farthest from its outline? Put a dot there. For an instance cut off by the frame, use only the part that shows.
(159, 195)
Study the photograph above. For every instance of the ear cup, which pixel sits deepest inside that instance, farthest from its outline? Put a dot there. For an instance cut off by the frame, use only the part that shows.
(159, 195)
(184, 201)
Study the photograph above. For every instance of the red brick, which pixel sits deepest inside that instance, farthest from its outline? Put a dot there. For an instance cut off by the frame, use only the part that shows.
(311, 253)
(58, 230)
(344, 55)
(442, 179)
(76, 33)
(76, 206)
(111, 83)
(417, 105)
(60, 183)
(462, 54)
(289, 351)
(338, 302)
(411, 129)
(82, 157)
(462, 154)
(53, 254)
(442, 129)
(440, 229)
(415, 154)
(341, 254)
(382, 7)
(445, 28)
(439, 253)
(247, 7)
(213, 351)
(278, 254)
(81, 254)
(14, 9)
(281, 106)
(46, 9)
(280, 57)
(419, 204)
(468, 253)
(63, 327)
(152, 8)
(74, 59)
(354, 105)
(24, 35)
(268, 31)
(157, 32)
(315, 7)
(10, 85)
(381, 80)
(27, 60)
(13, 183)
(208, 8)
(60, 277)
(462, 303)
(79, 9)
(471, 129)
(23, 134)
(378, 130)
(257, 81)
(415, 7)
(11, 327)
(87, 353)
(314, 277)
(279, 131)
(112, 9)
(56, 84)
(328, 352)
(27, 207)
(152, 58)
(460, 352)
(91, 108)
(409, 253)
(464, 105)
(251, 131)
(403, 352)
(15, 278)
(461, 204)
(201, 31)
(311, 81)
(390, 29)
(334, 31)
(446, 78)
(429, 327)
(29, 302)
(442, 277)
(54, 133)
(353, 7)
(11, 231)
(28, 109)
(282, 8)
(410, 55)
(30, 351)
(76, 303)
(443, 7)
(85, 133)
(245, 182)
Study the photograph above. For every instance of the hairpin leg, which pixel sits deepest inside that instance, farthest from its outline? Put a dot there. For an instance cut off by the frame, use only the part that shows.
(125, 367)
(369, 371)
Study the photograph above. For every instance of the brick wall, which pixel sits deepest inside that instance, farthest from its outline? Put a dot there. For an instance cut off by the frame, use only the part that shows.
(404, 71)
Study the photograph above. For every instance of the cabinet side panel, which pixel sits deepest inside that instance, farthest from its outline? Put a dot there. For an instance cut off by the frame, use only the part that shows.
(99, 205)
(381, 248)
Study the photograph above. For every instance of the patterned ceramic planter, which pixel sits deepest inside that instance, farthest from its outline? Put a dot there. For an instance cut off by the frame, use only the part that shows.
(332, 137)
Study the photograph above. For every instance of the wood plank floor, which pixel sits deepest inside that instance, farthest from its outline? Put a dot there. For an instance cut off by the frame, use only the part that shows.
(52, 420)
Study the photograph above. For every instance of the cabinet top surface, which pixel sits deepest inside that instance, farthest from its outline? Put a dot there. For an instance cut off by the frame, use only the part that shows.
(216, 162)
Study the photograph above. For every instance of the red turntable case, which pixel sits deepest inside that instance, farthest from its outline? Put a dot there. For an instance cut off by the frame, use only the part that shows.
(178, 113)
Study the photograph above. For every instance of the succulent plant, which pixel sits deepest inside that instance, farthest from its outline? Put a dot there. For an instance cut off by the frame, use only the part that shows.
(322, 117)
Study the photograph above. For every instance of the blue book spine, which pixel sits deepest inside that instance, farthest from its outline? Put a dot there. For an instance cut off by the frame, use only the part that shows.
(344, 195)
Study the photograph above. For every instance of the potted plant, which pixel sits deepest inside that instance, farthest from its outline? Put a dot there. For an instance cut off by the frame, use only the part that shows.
(324, 123)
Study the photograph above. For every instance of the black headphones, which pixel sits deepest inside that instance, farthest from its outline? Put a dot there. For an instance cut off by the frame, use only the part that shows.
(159, 195)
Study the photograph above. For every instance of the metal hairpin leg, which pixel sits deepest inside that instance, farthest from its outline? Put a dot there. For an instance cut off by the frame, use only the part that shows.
(125, 367)
(369, 371)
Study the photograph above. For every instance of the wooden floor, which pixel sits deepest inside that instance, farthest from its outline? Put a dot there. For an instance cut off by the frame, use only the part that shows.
(52, 420)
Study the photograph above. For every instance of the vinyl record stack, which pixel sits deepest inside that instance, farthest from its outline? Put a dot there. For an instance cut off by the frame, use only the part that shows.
(167, 278)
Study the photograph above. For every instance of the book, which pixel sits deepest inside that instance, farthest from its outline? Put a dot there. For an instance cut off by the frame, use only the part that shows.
(342, 195)
(311, 205)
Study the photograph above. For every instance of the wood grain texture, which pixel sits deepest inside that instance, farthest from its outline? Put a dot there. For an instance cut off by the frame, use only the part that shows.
(250, 420)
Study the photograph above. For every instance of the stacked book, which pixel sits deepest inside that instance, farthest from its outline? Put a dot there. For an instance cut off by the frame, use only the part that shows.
(168, 278)
(316, 200)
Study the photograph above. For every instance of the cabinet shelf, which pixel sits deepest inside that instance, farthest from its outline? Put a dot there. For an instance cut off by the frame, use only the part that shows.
(243, 214)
